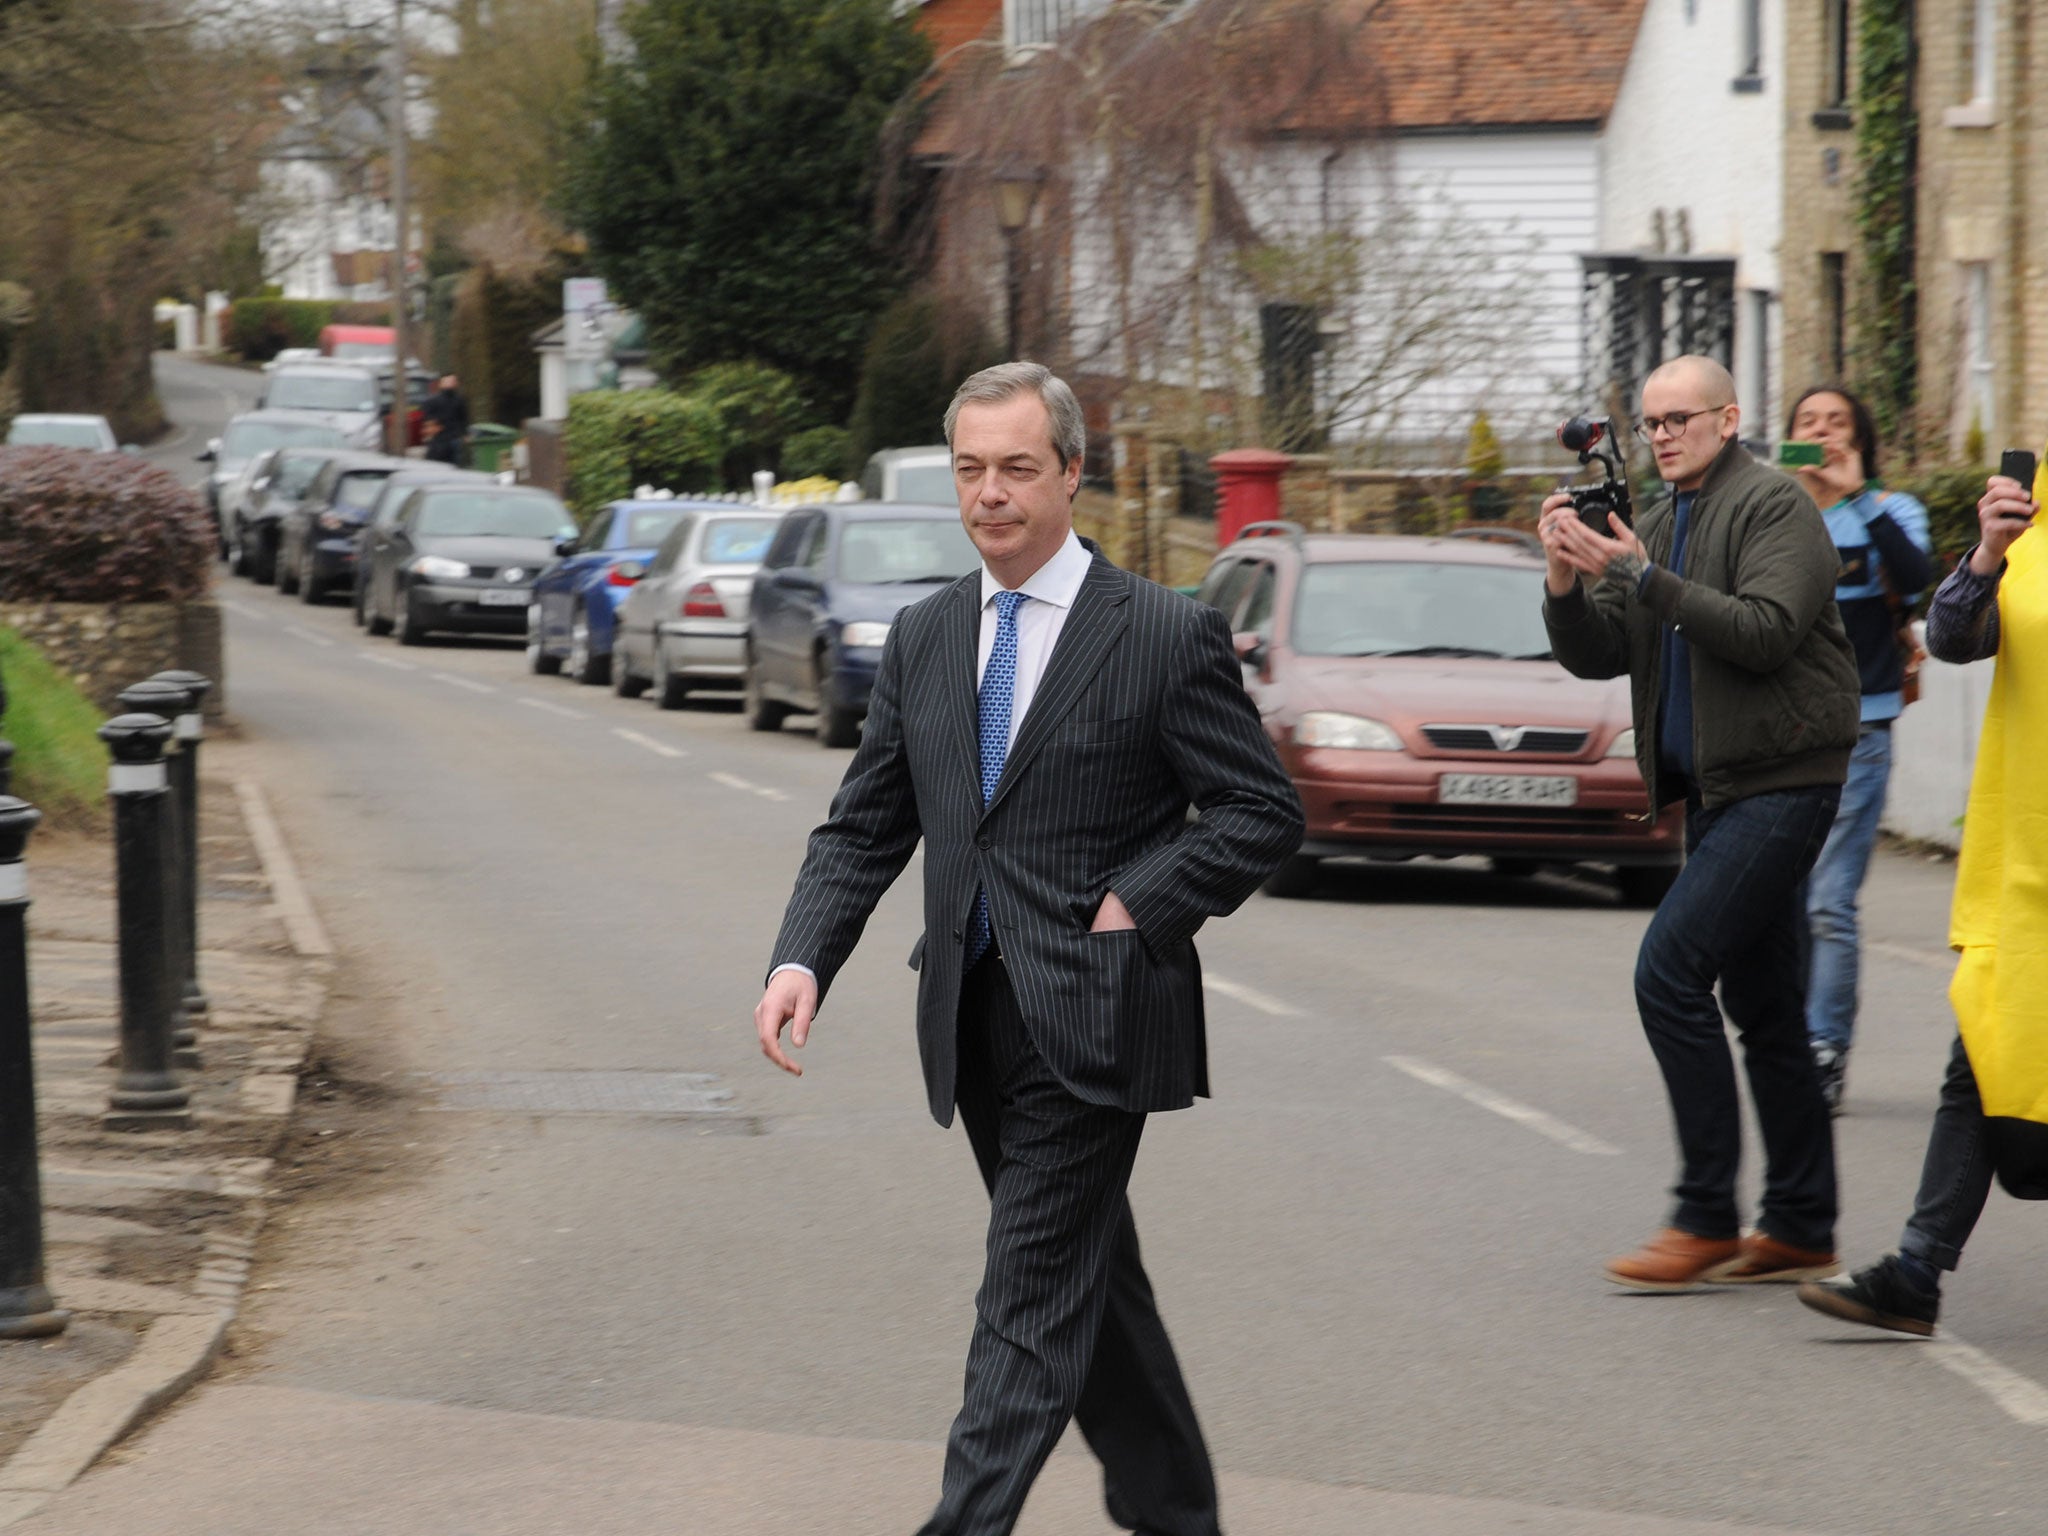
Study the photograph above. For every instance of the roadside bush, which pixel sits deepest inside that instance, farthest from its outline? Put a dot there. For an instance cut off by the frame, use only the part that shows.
(78, 527)
(755, 407)
(60, 765)
(1950, 493)
(618, 440)
(818, 452)
(258, 329)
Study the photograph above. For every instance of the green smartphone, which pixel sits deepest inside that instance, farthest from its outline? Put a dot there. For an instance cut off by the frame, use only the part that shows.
(1795, 455)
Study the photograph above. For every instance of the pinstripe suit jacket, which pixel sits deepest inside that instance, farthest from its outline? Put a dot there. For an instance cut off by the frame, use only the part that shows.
(1141, 713)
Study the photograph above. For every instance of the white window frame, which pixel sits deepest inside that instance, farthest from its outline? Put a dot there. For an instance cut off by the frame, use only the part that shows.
(1984, 54)
(1980, 395)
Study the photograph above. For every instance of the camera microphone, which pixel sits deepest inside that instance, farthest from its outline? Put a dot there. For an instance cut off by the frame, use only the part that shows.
(1581, 433)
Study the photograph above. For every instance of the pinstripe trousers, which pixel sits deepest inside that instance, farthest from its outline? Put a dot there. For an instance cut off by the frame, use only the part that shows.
(1065, 1325)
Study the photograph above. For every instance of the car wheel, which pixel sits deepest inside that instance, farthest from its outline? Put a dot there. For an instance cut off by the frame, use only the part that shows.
(585, 666)
(626, 683)
(311, 589)
(1515, 869)
(1644, 885)
(409, 631)
(763, 713)
(1296, 877)
(538, 661)
(674, 689)
(238, 551)
(284, 569)
(263, 563)
(837, 726)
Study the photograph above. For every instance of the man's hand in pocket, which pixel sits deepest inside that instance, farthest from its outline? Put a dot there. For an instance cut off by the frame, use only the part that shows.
(1112, 916)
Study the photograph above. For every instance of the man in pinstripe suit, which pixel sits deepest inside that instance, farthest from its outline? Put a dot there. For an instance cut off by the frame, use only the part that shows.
(1045, 725)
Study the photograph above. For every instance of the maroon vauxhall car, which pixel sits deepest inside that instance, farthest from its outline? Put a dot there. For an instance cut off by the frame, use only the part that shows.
(1409, 686)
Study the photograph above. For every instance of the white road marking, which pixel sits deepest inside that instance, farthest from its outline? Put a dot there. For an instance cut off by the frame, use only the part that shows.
(648, 742)
(2021, 1397)
(1500, 1104)
(555, 709)
(1934, 960)
(1251, 997)
(386, 661)
(242, 611)
(748, 786)
(461, 682)
(308, 636)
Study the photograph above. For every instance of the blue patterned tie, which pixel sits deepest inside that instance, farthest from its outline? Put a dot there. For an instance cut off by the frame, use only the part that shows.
(998, 687)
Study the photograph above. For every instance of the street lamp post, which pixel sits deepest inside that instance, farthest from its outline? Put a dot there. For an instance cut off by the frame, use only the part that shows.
(1016, 190)
(401, 398)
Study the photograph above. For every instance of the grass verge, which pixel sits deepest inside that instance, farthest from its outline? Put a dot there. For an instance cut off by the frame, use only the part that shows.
(60, 764)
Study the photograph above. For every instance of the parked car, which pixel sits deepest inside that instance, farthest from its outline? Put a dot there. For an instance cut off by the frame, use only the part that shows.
(316, 536)
(920, 475)
(289, 355)
(358, 343)
(344, 396)
(63, 430)
(461, 556)
(246, 436)
(683, 624)
(1409, 687)
(269, 486)
(391, 499)
(831, 583)
(576, 599)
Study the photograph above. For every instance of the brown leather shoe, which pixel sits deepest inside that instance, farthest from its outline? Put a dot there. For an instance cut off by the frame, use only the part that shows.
(1674, 1261)
(1766, 1261)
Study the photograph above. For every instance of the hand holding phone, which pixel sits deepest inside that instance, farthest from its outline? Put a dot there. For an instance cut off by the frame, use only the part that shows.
(2006, 510)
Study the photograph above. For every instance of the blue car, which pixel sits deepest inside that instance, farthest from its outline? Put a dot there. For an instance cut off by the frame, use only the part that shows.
(832, 582)
(576, 600)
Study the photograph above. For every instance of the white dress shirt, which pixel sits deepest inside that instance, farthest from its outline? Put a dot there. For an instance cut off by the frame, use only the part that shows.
(1052, 589)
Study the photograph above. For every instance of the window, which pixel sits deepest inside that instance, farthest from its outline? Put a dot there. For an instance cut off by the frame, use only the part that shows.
(1983, 53)
(594, 536)
(782, 552)
(1403, 607)
(671, 547)
(1835, 59)
(1225, 586)
(1257, 618)
(1756, 377)
(1834, 306)
(646, 527)
(1978, 398)
(906, 553)
(1750, 59)
(735, 540)
(814, 547)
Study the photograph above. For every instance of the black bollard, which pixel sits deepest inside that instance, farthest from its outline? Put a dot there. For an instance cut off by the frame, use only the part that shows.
(191, 730)
(172, 702)
(147, 1094)
(6, 767)
(27, 1310)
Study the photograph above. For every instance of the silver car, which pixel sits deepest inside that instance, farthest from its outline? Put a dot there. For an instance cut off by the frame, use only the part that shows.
(922, 475)
(684, 624)
(247, 435)
(343, 396)
(62, 430)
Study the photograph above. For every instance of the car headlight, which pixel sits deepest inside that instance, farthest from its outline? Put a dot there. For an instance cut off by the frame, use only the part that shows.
(1324, 728)
(1624, 744)
(864, 635)
(439, 568)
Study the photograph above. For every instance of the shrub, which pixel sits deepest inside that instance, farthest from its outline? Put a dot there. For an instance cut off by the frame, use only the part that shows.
(259, 329)
(1950, 493)
(616, 441)
(60, 764)
(818, 452)
(920, 350)
(755, 409)
(79, 527)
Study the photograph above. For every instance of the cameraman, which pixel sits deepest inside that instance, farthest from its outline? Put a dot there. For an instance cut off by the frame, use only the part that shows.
(1882, 542)
(1721, 612)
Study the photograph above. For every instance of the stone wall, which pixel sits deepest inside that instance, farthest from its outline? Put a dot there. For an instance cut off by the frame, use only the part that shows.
(106, 647)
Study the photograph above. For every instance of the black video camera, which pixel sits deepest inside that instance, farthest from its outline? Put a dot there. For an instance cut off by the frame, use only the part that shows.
(1584, 435)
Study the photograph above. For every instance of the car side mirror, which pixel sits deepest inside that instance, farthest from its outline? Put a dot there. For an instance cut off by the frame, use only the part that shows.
(210, 453)
(1251, 650)
(566, 545)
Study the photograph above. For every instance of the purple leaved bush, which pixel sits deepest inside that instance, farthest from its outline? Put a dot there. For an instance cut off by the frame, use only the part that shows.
(82, 527)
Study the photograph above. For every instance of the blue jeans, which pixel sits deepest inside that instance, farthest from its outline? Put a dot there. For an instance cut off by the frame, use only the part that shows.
(1736, 916)
(1831, 901)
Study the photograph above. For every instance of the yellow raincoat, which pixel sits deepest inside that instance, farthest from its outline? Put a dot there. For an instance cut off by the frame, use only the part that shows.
(1999, 924)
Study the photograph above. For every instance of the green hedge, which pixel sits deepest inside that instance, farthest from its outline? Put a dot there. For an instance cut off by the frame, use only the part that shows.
(818, 451)
(258, 329)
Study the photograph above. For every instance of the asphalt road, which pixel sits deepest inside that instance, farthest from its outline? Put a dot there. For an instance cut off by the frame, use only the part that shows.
(1377, 1247)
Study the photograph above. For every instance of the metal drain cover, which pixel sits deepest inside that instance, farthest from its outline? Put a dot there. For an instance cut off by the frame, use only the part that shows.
(581, 1093)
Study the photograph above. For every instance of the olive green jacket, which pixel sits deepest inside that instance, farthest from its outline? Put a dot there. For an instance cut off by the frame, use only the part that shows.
(1775, 698)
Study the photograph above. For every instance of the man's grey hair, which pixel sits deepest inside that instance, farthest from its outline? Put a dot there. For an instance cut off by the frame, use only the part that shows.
(1006, 381)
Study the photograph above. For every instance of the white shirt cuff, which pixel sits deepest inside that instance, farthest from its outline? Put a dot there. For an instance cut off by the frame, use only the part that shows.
(791, 965)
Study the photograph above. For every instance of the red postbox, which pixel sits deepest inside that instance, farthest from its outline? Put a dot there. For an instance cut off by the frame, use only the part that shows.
(1247, 489)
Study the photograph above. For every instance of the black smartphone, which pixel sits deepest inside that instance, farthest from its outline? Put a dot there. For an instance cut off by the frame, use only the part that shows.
(2018, 464)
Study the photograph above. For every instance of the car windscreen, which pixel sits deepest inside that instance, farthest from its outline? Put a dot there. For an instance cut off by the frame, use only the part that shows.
(926, 483)
(360, 488)
(321, 392)
(737, 540)
(246, 439)
(293, 473)
(55, 434)
(646, 530)
(482, 515)
(929, 549)
(1417, 608)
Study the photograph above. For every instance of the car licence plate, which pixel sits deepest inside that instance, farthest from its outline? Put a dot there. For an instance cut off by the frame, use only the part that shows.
(508, 597)
(1506, 789)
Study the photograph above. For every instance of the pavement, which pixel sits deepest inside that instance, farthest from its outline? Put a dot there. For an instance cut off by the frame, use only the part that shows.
(594, 1266)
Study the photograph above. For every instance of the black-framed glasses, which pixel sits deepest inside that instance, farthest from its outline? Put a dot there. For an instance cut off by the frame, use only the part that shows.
(1674, 422)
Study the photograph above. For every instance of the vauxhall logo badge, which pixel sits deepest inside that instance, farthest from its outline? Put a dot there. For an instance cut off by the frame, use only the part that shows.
(512, 573)
(1506, 737)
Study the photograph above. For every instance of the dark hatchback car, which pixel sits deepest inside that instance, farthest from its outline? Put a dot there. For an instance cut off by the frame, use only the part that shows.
(391, 497)
(833, 581)
(461, 557)
(1409, 687)
(279, 478)
(316, 536)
